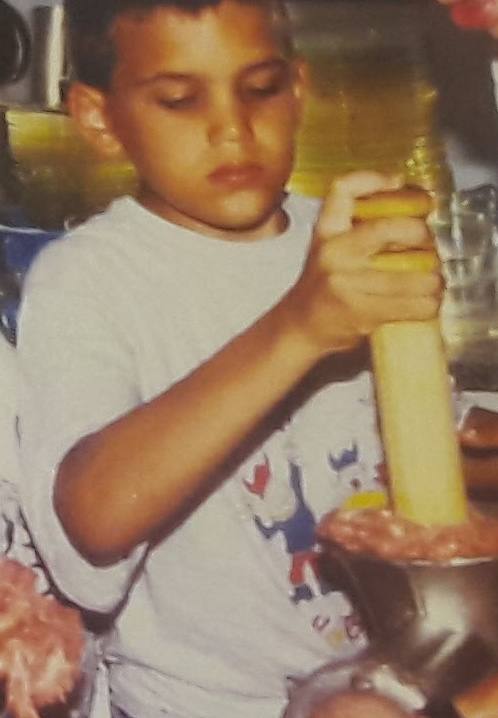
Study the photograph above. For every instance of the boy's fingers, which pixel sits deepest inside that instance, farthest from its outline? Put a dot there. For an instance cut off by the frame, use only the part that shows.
(353, 249)
(392, 284)
(375, 310)
(337, 211)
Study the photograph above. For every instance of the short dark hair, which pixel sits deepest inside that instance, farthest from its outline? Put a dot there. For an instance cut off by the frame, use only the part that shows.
(90, 22)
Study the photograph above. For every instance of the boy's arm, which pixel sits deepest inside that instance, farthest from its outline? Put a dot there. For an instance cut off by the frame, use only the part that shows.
(120, 485)
(117, 486)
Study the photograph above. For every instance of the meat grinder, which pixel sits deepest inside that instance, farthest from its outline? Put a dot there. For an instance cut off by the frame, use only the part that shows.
(433, 630)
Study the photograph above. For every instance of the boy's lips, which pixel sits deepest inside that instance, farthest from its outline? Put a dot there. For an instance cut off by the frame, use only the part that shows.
(232, 175)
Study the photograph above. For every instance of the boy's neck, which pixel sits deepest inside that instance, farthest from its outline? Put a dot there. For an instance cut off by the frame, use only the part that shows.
(270, 226)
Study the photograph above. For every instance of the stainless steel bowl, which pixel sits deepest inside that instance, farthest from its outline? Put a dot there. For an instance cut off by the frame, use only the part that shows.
(433, 630)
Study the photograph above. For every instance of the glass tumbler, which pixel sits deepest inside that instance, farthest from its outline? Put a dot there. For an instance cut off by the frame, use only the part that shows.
(465, 232)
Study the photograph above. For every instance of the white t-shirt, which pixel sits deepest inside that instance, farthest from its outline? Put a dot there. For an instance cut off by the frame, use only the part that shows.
(216, 616)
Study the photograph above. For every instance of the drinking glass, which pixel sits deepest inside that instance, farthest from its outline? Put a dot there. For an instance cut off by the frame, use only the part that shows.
(465, 231)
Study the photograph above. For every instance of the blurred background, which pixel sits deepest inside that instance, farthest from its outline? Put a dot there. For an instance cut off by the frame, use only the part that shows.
(395, 86)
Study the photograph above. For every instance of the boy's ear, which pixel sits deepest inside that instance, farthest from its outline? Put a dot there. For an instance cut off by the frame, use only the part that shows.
(87, 107)
(301, 80)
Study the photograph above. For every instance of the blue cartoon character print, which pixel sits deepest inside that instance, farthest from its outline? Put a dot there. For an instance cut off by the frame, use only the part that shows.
(297, 526)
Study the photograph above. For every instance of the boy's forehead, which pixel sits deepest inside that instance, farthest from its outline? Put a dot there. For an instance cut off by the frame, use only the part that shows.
(167, 35)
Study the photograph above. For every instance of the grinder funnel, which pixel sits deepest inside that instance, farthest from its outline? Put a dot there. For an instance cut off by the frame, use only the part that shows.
(433, 629)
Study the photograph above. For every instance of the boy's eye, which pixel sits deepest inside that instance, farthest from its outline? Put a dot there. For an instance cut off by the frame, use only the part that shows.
(260, 88)
(177, 103)
(265, 90)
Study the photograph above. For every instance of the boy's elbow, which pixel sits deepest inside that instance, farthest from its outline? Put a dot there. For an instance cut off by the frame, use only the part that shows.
(86, 537)
(86, 523)
(96, 550)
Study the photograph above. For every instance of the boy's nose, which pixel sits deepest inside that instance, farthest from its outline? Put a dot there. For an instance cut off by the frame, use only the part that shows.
(228, 122)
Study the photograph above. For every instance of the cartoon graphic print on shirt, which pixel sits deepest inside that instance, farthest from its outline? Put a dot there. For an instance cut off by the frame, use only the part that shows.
(282, 513)
(350, 471)
(298, 530)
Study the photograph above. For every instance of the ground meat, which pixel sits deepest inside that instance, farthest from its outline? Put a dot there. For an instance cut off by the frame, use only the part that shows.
(41, 643)
(386, 535)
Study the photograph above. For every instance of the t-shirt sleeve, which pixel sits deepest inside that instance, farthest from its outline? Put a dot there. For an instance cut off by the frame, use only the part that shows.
(76, 375)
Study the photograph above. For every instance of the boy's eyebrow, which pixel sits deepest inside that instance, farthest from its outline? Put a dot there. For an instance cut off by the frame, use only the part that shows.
(272, 63)
(275, 63)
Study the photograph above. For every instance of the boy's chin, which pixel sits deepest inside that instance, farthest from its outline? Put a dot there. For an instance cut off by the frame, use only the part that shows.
(243, 216)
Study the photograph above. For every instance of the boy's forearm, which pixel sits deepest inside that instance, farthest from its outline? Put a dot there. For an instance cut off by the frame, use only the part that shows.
(117, 487)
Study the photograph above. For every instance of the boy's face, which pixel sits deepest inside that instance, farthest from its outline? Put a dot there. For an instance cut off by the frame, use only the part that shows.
(206, 107)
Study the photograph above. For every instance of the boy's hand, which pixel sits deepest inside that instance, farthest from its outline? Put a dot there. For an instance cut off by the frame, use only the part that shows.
(340, 298)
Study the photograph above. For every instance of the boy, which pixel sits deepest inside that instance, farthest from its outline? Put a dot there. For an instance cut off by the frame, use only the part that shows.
(191, 405)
